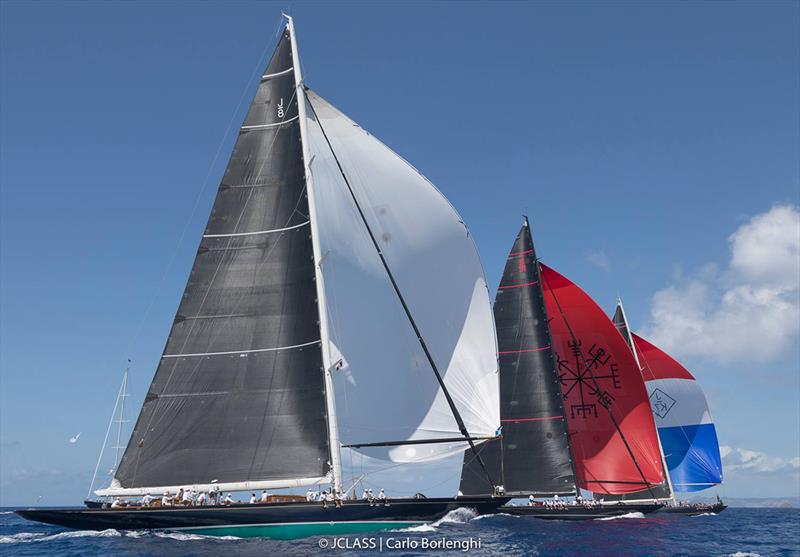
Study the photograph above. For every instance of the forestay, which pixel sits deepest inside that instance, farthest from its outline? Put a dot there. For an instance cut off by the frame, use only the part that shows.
(388, 392)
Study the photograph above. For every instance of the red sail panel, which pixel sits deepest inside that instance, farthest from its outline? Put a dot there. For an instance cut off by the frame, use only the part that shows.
(598, 374)
(658, 364)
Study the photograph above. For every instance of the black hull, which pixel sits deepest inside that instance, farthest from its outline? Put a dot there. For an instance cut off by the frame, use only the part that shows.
(278, 520)
(693, 510)
(579, 512)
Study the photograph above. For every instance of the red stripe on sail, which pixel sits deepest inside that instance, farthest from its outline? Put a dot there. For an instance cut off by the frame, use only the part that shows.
(599, 373)
(501, 287)
(524, 351)
(516, 253)
(657, 364)
(520, 420)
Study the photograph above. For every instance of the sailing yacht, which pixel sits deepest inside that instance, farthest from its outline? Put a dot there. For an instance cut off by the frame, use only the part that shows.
(687, 435)
(574, 408)
(336, 301)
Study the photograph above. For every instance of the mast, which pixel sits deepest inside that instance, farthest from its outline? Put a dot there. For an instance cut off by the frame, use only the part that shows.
(632, 344)
(628, 336)
(330, 399)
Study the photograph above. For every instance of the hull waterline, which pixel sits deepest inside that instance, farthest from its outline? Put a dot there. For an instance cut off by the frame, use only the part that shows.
(579, 512)
(276, 520)
(692, 510)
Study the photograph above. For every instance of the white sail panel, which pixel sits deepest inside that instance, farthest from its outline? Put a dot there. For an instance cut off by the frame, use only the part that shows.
(388, 392)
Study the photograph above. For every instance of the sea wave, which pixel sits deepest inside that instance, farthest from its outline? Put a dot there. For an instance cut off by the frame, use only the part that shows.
(626, 515)
(741, 554)
(709, 514)
(7, 512)
(28, 537)
(461, 515)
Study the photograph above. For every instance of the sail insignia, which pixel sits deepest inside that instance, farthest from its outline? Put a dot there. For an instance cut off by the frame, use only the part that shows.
(613, 435)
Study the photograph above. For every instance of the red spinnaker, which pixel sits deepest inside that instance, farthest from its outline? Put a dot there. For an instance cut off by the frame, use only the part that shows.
(597, 375)
(657, 364)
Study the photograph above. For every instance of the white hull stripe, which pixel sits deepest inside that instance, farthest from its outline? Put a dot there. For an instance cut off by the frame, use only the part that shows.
(255, 233)
(276, 74)
(241, 351)
(267, 126)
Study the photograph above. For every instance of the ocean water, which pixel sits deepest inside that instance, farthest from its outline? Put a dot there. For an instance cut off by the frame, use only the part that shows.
(737, 532)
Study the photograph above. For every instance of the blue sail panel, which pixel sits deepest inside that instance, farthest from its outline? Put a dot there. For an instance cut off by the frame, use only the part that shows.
(692, 455)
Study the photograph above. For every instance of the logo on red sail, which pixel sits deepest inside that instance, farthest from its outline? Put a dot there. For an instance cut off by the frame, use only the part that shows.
(661, 402)
(587, 379)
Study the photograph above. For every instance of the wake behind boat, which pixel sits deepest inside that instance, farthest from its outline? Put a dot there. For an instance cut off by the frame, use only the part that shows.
(262, 383)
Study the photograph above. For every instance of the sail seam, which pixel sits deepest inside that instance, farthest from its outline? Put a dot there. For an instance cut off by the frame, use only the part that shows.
(520, 420)
(501, 287)
(525, 351)
(256, 232)
(241, 351)
(267, 126)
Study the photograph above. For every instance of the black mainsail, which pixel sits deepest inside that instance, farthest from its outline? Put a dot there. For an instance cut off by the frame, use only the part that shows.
(239, 394)
(534, 455)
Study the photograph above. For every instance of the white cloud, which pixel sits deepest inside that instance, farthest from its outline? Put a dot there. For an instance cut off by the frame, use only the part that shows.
(737, 459)
(751, 311)
(600, 260)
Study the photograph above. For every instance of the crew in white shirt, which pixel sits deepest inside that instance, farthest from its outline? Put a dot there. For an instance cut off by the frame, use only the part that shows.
(264, 496)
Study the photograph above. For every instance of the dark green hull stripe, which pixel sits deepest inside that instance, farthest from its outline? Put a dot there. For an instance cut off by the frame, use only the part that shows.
(291, 531)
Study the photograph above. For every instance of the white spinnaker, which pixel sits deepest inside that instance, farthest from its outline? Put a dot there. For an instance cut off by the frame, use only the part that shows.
(389, 391)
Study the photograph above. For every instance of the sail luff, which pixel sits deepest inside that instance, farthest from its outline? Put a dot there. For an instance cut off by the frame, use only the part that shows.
(330, 398)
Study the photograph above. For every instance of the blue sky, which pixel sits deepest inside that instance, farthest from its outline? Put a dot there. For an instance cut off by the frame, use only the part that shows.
(654, 146)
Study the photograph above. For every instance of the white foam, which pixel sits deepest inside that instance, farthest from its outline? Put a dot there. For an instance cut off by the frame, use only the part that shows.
(7, 512)
(742, 554)
(626, 515)
(185, 536)
(461, 515)
(705, 514)
(420, 528)
(28, 537)
(481, 517)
